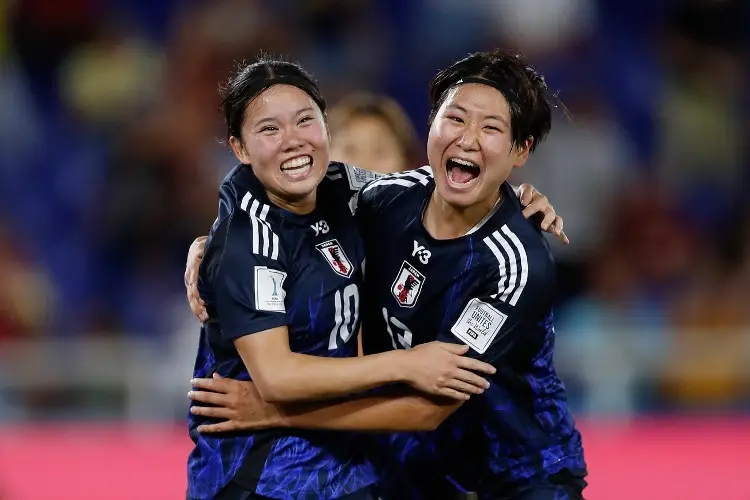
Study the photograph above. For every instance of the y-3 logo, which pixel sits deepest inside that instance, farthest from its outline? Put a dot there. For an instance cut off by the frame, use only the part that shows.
(320, 227)
(421, 253)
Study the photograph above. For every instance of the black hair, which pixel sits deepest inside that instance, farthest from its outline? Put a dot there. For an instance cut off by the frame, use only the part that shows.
(522, 86)
(253, 78)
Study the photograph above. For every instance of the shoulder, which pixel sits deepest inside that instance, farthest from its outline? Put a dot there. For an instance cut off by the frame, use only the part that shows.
(382, 192)
(243, 229)
(518, 264)
(349, 177)
(343, 182)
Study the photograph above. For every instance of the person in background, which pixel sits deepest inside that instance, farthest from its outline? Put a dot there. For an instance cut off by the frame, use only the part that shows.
(373, 132)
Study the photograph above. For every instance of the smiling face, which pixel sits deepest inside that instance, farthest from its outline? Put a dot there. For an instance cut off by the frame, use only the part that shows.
(470, 145)
(285, 140)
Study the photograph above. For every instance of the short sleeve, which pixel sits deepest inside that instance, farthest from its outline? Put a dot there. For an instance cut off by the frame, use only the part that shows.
(247, 276)
(499, 318)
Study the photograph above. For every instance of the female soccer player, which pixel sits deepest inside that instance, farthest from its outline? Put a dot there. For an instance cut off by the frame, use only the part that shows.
(281, 281)
(451, 257)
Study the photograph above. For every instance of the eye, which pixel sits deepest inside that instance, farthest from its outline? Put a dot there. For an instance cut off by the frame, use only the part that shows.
(268, 128)
(305, 119)
(455, 119)
(492, 129)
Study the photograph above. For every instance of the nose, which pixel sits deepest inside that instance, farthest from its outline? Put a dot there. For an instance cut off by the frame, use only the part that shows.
(292, 141)
(469, 140)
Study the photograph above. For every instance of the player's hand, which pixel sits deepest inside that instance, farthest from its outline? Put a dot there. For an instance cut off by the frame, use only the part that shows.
(194, 258)
(535, 202)
(439, 368)
(238, 403)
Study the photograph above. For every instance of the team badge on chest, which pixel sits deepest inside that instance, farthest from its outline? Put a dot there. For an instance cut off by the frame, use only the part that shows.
(336, 257)
(408, 285)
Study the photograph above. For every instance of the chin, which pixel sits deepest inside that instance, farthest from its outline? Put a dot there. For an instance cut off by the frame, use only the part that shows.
(460, 197)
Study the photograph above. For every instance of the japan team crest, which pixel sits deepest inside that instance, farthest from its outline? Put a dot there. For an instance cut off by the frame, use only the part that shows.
(408, 285)
(336, 257)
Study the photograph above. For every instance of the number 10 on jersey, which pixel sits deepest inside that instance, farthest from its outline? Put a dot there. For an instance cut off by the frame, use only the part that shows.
(346, 315)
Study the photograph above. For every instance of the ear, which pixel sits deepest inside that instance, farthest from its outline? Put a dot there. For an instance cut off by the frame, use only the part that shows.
(239, 150)
(522, 153)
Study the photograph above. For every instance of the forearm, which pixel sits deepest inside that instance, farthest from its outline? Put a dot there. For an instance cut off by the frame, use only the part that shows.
(301, 377)
(410, 412)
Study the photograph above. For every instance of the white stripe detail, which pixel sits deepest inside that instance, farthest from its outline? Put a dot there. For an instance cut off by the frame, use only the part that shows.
(262, 230)
(411, 175)
(334, 177)
(245, 201)
(385, 182)
(512, 264)
(524, 263)
(501, 266)
(427, 170)
(256, 230)
(275, 247)
(266, 229)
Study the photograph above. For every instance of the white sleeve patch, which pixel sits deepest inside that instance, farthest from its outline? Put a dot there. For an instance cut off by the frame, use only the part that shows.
(358, 177)
(478, 325)
(269, 289)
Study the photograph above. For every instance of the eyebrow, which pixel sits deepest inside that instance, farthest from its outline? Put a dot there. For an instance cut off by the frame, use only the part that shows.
(486, 117)
(271, 119)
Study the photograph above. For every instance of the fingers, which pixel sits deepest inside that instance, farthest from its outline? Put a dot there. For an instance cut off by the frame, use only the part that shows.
(526, 194)
(472, 379)
(459, 349)
(211, 412)
(564, 238)
(540, 204)
(212, 398)
(557, 229)
(548, 220)
(476, 366)
(464, 387)
(453, 394)
(219, 385)
(220, 427)
(198, 307)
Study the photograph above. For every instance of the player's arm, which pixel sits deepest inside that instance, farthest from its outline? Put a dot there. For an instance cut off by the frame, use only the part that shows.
(241, 407)
(490, 324)
(249, 295)
(282, 375)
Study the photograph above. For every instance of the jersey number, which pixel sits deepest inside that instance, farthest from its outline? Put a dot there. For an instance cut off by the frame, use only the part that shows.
(347, 313)
(403, 335)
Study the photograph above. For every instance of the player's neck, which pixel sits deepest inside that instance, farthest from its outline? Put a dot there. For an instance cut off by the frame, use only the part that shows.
(303, 206)
(444, 221)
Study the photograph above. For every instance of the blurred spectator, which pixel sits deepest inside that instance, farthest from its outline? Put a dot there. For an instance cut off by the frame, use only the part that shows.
(372, 132)
(27, 298)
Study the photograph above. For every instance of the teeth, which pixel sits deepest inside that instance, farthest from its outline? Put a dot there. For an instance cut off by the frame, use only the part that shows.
(297, 162)
(466, 163)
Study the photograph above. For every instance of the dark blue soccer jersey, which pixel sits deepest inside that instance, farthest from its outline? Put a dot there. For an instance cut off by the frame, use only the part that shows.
(265, 267)
(492, 289)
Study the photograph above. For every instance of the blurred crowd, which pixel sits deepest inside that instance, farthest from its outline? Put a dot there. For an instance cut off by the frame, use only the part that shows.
(111, 153)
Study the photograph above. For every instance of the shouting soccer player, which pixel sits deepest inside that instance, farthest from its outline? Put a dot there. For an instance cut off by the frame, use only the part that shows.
(450, 256)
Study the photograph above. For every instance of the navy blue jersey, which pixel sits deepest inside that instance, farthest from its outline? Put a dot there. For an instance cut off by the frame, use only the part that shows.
(265, 267)
(493, 290)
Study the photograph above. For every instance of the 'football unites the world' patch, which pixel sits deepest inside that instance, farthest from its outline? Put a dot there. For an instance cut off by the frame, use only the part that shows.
(478, 324)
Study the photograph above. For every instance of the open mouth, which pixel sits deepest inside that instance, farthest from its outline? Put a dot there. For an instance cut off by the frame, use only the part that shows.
(298, 166)
(461, 172)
